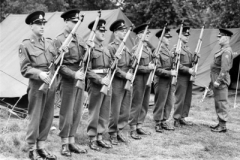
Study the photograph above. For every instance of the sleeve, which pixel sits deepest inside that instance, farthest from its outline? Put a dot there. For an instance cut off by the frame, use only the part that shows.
(226, 62)
(94, 77)
(160, 71)
(64, 70)
(26, 68)
(183, 69)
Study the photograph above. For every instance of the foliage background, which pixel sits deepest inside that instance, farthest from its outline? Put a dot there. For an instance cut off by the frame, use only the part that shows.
(214, 13)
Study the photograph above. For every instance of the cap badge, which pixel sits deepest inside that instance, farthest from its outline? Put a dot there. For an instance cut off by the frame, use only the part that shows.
(77, 15)
(40, 16)
(122, 24)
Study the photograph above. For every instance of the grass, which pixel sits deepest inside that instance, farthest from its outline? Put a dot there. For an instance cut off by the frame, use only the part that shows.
(196, 142)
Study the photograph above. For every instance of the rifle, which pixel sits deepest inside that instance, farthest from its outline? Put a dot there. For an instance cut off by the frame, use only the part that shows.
(85, 62)
(112, 70)
(196, 55)
(138, 54)
(159, 47)
(204, 94)
(176, 62)
(59, 58)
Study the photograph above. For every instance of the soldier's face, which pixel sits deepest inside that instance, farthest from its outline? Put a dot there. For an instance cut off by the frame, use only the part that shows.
(223, 40)
(121, 33)
(166, 40)
(100, 35)
(146, 37)
(38, 28)
(70, 25)
(184, 38)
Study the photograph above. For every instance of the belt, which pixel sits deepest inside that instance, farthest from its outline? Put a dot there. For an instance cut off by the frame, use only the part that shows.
(105, 70)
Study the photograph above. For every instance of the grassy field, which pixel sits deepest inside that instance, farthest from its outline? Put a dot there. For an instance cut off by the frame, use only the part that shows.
(196, 142)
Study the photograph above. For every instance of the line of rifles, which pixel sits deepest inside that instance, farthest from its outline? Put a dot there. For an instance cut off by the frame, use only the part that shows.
(84, 63)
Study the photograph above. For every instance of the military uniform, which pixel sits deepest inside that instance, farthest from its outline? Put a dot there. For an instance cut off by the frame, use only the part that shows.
(223, 60)
(121, 98)
(183, 92)
(36, 54)
(141, 92)
(72, 97)
(162, 84)
(99, 104)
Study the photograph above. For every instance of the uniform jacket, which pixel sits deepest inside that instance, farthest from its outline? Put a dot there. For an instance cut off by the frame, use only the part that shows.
(223, 61)
(146, 58)
(35, 56)
(164, 61)
(73, 57)
(100, 59)
(124, 64)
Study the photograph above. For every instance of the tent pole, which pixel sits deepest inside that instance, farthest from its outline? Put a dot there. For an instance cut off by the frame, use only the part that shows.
(235, 103)
(12, 111)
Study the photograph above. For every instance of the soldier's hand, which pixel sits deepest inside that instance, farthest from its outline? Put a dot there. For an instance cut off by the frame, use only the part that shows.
(44, 76)
(65, 49)
(173, 72)
(216, 84)
(191, 71)
(105, 81)
(90, 43)
(79, 75)
(151, 66)
(129, 76)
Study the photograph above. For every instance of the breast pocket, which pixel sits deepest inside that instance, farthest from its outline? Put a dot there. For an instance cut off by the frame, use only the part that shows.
(144, 59)
(166, 61)
(183, 58)
(97, 60)
(217, 61)
(38, 58)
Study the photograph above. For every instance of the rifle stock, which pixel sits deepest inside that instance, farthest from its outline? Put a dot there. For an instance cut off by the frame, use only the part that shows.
(111, 72)
(85, 61)
(159, 46)
(177, 59)
(138, 54)
(196, 53)
(44, 87)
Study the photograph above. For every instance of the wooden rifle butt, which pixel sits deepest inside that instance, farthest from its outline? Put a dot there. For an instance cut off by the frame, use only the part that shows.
(104, 89)
(174, 80)
(44, 88)
(128, 85)
(80, 84)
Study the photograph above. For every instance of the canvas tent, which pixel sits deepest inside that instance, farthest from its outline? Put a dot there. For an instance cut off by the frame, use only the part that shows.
(13, 30)
(209, 47)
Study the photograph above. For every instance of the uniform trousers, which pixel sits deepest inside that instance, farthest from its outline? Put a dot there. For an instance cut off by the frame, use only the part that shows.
(140, 101)
(183, 97)
(40, 111)
(120, 106)
(99, 112)
(71, 107)
(163, 98)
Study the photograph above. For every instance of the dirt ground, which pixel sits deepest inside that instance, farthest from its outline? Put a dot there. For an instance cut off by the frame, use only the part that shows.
(196, 142)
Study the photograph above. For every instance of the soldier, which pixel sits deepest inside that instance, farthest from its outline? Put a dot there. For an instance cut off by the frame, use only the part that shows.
(141, 93)
(99, 104)
(220, 78)
(121, 98)
(72, 97)
(183, 91)
(36, 54)
(162, 84)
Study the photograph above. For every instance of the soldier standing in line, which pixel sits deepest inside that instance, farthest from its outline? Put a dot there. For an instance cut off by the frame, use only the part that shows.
(121, 98)
(99, 104)
(36, 54)
(220, 79)
(162, 84)
(183, 91)
(141, 92)
(72, 97)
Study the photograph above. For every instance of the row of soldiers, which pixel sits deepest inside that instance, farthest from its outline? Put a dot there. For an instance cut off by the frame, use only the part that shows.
(118, 108)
